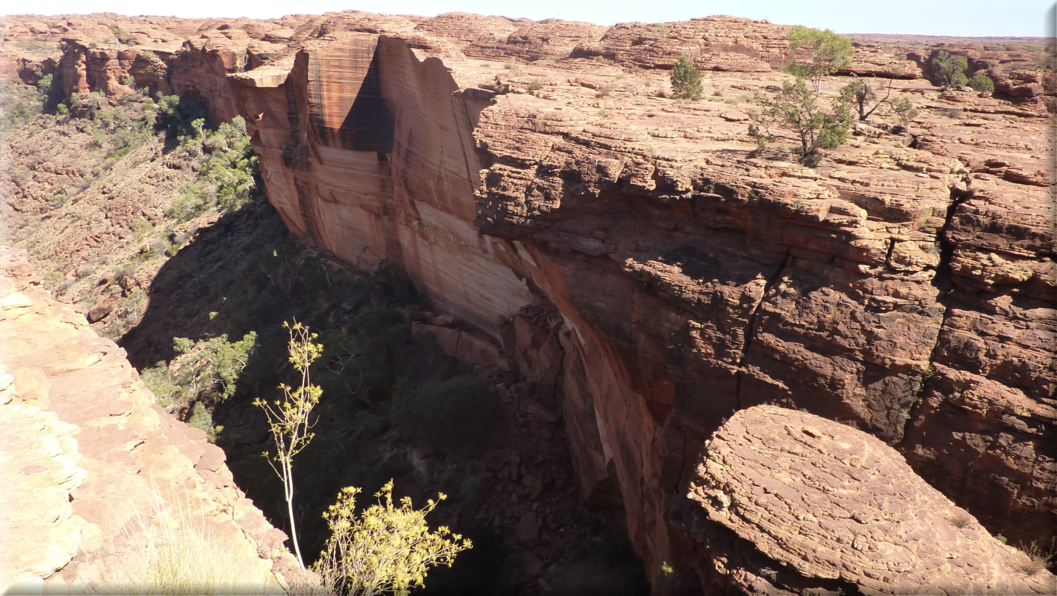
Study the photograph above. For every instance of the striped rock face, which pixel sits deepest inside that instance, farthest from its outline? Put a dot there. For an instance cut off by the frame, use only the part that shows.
(643, 258)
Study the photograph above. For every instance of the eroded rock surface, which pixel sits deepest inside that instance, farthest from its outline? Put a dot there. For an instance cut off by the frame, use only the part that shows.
(91, 463)
(785, 501)
(641, 257)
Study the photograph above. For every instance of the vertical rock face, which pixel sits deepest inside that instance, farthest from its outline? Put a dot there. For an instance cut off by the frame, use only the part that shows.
(370, 152)
(640, 258)
(682, 289)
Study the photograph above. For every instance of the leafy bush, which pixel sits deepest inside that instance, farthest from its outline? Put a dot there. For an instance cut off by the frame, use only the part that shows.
(950, 70)
(383, 322)
(686, 80)
(212, 367)
(200, 418)
(460, 415)
(229, 177)
(795, 109)
(904, 110)
(829, 53)
(387, 549)
(160, 380)
(982, 82)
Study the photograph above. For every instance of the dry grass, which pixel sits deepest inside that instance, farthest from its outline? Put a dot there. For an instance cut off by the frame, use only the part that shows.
(960, 520)
(182, 552)
(1035, 560)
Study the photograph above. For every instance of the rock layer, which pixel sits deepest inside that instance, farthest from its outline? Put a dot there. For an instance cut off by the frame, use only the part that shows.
(644, 260)
(94, 465)
(788, 502)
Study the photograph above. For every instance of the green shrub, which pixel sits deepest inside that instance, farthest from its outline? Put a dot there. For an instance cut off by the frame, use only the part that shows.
(19, 104)
(460, 415)
(982, 82)
(950, 70)
(383, 322)
(795, 109)
(686, 80)
(212, 367)
(904, 110)
(829, 53)
(200, 418)
(229, 178)
(386, 549)
(163, 385)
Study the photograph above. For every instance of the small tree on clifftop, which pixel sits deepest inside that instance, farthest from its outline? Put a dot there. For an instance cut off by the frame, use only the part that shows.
(686, 80)
(859, 94)
(950, 70)
(829, 53)
(795, 109)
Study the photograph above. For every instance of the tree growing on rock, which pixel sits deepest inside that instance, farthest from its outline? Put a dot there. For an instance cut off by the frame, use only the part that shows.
(289, 419)
(829, 53)
(795, 109)
(686, 80)
(950, 70)
(859, 94)
(904, 110)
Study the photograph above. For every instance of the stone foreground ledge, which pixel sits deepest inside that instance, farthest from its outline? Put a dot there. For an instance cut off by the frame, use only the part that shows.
(789, 502)
(91, 465)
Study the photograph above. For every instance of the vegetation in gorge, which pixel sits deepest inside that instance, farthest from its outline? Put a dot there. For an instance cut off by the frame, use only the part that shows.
(288, 419)
(204, 373)
(105, 190)
(458, 416)
(228, 176)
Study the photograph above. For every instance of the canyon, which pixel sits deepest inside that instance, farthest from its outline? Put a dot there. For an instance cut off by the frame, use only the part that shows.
(638, 259)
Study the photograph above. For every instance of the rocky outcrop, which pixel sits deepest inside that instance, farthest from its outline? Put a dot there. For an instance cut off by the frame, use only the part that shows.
(690, 280)
(785, 502)
(644, 260)
(93, 467)
(39, 458)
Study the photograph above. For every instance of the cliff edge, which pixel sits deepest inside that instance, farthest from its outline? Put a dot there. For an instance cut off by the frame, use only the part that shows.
(98, 478)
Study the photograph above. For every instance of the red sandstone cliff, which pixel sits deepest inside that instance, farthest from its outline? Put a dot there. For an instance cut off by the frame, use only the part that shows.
(638, 256)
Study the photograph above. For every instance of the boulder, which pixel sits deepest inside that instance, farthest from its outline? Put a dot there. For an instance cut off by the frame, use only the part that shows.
(787, 502)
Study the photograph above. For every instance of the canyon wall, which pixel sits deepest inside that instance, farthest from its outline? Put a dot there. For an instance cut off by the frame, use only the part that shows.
(640, 259)
(693, 284)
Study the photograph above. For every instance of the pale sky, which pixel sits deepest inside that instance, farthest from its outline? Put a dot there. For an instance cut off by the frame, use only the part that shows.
(969, 18)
